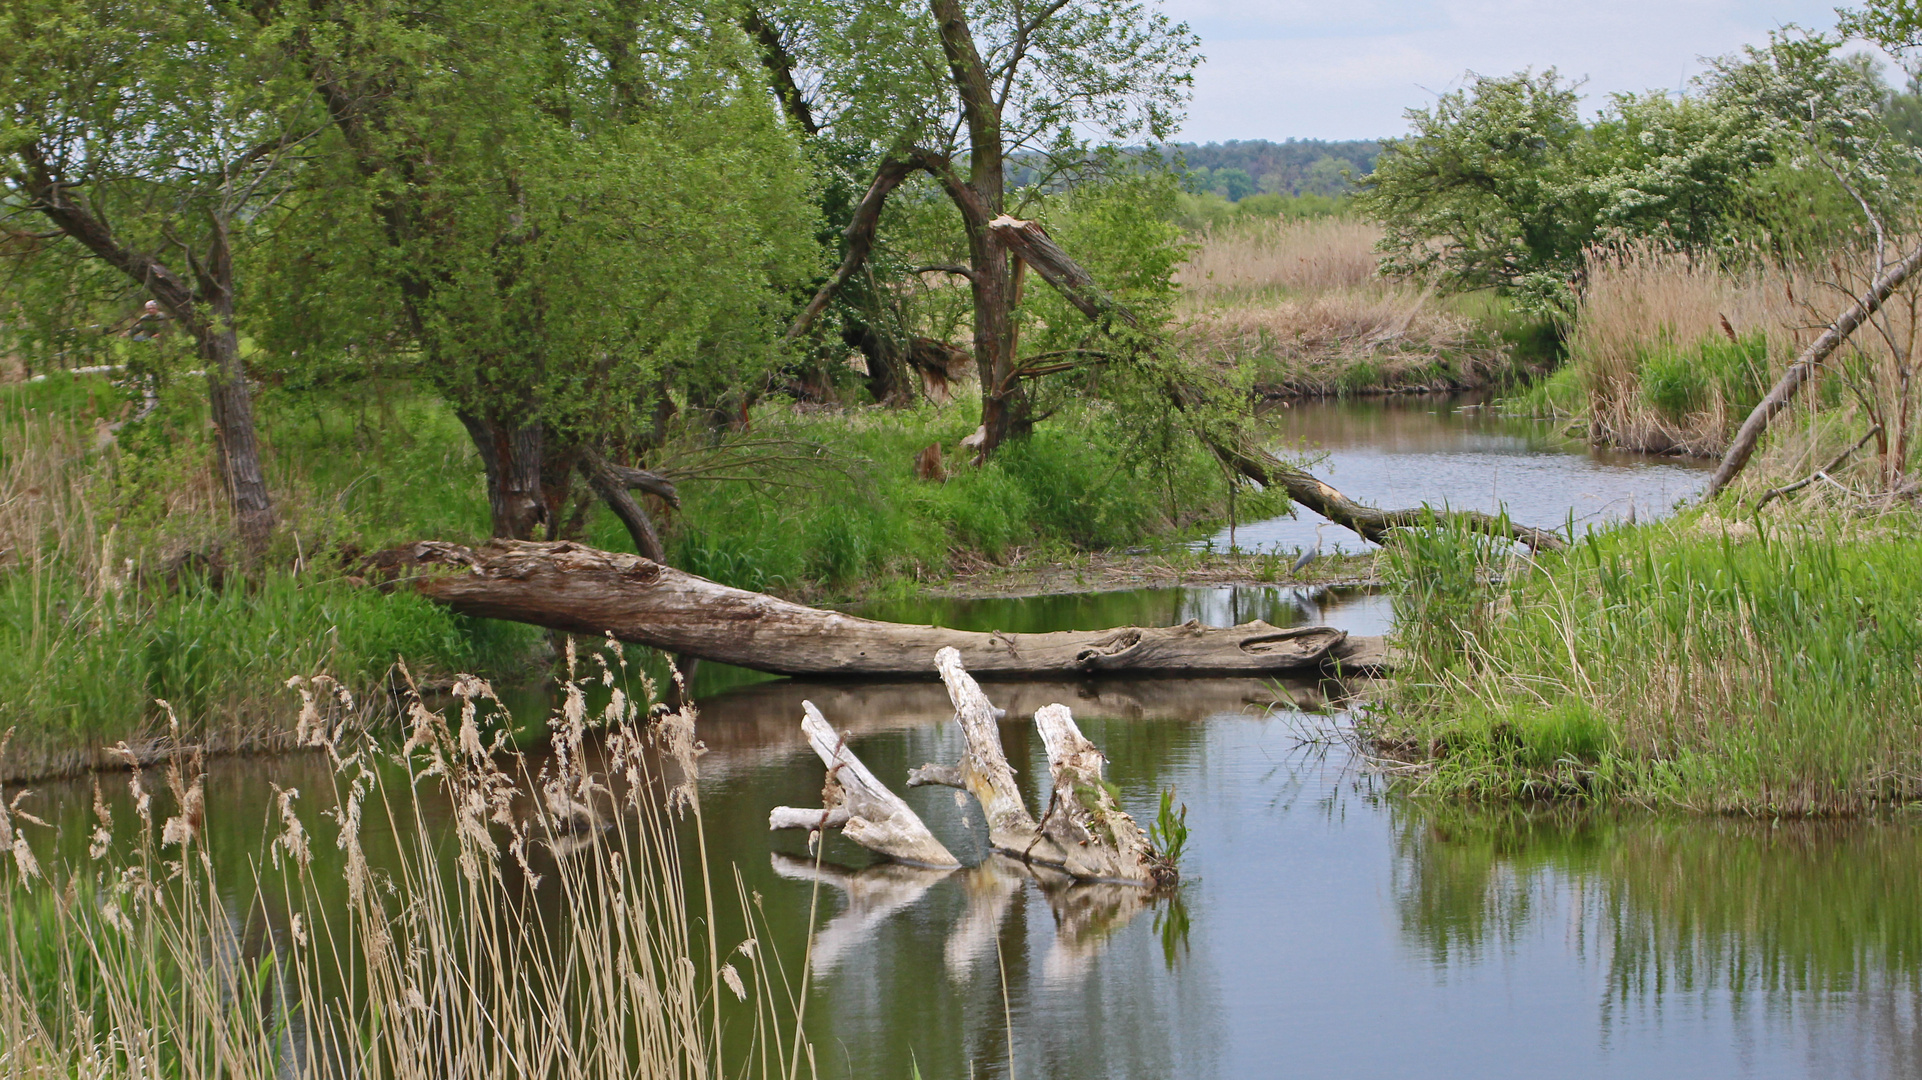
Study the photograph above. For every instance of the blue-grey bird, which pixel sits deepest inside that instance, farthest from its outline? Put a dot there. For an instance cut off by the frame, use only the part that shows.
(1311, 554)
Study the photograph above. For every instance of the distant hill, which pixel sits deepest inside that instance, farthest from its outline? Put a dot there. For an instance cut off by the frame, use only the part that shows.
(1241, 167)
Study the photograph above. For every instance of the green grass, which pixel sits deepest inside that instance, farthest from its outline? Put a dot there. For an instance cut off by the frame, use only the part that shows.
(1679, 380)
(1680, 664)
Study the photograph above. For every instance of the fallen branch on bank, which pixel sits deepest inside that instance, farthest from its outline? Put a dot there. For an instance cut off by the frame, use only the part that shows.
(1820, 474)
(568, 587)
(1031, 243)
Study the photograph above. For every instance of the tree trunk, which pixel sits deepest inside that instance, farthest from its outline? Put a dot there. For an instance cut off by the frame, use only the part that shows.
(578, 589)
(510, 454)
(233, 416)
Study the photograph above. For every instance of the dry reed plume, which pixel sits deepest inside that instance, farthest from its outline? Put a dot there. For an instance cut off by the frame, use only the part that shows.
(1304, 302)
(436, 966)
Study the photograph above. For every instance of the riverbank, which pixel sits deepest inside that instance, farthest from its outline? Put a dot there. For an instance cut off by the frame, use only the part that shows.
(118, 586)
(1761, 666)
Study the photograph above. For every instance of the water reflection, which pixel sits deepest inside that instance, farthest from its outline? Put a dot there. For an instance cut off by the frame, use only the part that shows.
(1404, 451)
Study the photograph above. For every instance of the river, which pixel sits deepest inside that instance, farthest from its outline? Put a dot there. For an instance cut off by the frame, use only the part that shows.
(1326, 926)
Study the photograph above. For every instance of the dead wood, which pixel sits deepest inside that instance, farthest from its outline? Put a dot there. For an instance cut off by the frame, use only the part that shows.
(608, 482)
(1084, 832)
(860, 805)
(576, 589)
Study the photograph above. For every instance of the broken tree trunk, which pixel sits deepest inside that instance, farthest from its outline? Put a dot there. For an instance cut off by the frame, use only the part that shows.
(862, 806)
(568, 587)
(1031, 243)
(1084, 832)
(1799, 372)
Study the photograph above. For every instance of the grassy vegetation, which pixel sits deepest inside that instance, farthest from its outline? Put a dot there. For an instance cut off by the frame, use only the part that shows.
(144, 961)
(1697, 663)
(1300, 303)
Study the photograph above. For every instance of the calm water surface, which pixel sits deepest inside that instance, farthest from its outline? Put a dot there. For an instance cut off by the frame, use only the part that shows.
(1404, 451)
(1325, 928)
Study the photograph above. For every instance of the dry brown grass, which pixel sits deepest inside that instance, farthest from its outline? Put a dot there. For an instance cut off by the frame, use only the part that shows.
(1638, 297)
(1641, 298)
(1302, 302)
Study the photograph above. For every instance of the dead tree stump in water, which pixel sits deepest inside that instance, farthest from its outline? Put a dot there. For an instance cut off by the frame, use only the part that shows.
(859, 805)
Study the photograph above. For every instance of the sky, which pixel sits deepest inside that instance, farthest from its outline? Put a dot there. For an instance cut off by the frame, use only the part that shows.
(1346, 69)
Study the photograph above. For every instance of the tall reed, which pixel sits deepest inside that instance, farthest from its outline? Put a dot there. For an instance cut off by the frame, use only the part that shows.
(1302, 301)
(443, 961)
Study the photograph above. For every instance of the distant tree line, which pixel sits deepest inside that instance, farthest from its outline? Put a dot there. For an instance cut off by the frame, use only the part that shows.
(1239, 168)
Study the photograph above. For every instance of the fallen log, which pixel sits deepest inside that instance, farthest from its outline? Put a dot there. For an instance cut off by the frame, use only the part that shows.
(860, 805)
(568, 587)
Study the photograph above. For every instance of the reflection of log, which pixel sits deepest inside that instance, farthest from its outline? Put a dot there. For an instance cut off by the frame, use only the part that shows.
(866, 811)
(873, 894)
(1084, 832)
(569, 587)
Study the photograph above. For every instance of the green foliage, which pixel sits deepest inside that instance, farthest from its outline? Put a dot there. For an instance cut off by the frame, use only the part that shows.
(1071, 486)
(1684, 380)
(1503, 186)
(1169, 832)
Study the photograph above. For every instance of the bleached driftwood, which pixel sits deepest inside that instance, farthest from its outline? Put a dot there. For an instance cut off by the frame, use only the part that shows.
(860, 805)
(1085, 833)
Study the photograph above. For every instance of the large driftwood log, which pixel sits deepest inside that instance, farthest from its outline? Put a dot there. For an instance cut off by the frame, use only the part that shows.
(862, 806)
(568, 587)
(1084, 832)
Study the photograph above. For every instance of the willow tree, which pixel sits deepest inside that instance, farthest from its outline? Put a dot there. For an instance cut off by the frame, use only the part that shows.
(964, 92)
(544, 211)
(155, 140)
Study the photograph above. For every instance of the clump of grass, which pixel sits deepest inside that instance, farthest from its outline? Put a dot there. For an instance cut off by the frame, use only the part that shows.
(860, 515)
(1669, 349)
(1695, 663)
(150, 965)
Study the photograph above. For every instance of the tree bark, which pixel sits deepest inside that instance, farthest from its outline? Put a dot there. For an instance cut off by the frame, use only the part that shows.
(510, 454)
(609, 483)
(1799, 372)
(576, 589)
(860, 805)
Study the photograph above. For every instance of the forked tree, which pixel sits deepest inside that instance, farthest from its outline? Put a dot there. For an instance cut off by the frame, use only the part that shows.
(964, 92)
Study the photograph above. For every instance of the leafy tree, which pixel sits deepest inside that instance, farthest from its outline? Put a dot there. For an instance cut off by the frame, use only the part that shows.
(958, 91)
(157, 140)
(555, 215)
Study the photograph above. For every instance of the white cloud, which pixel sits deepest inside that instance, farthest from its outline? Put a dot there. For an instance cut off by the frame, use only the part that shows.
(1303, 69)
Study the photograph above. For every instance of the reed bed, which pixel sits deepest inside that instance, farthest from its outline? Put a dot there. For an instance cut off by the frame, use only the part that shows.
(1651, 346)
(1700, 663)
(1304, 304)
(440, 963)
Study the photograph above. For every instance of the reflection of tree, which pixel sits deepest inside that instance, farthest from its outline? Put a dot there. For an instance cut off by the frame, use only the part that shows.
(1681, 906)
